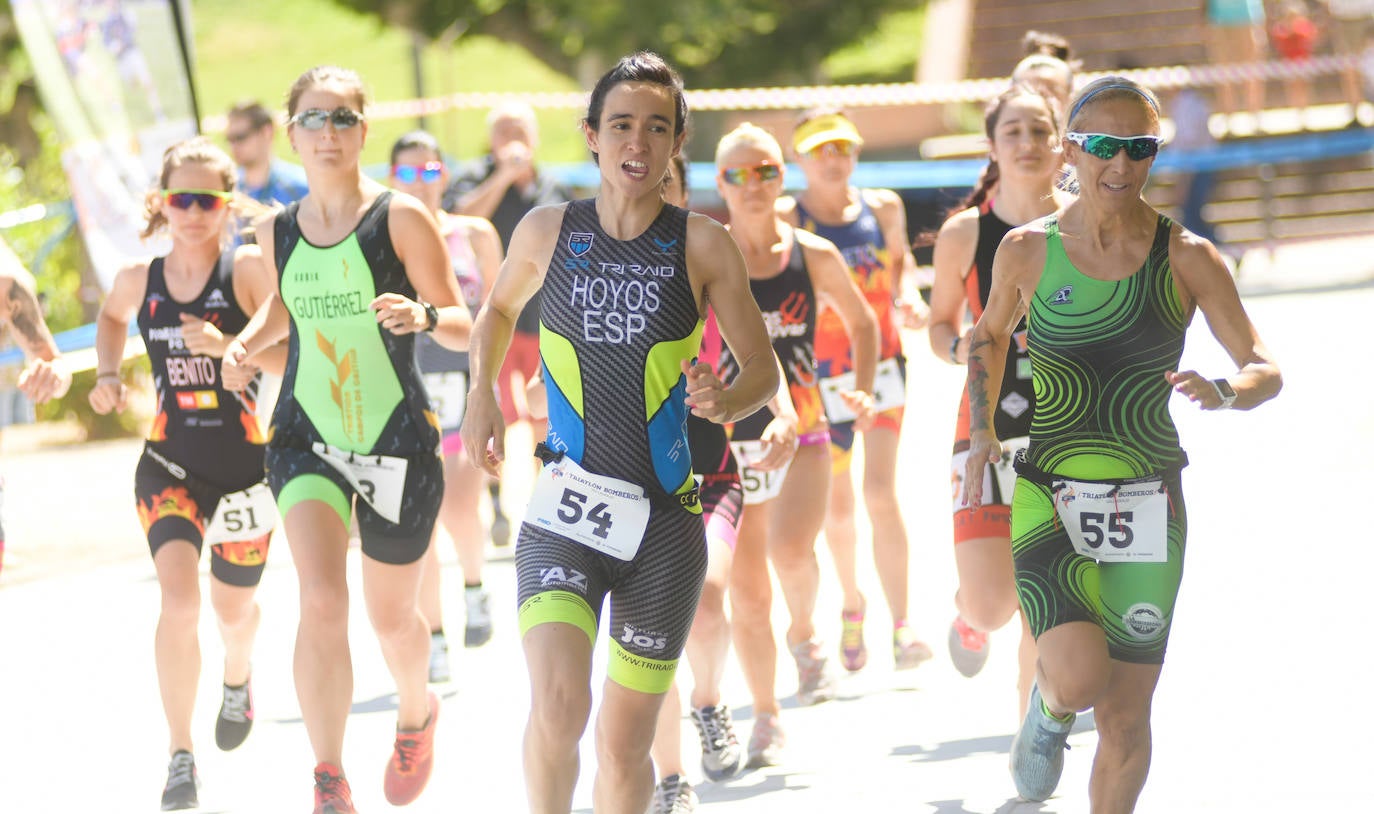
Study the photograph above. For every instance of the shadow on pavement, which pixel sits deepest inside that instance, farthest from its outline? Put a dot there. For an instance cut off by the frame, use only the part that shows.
(989, 744)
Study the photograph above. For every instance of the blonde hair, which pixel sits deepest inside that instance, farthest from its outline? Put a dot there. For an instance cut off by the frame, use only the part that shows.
(751, 135)
(196, 150)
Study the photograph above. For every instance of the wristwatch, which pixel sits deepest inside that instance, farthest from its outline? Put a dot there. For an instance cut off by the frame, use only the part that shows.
(1225, 392)
(432, 318)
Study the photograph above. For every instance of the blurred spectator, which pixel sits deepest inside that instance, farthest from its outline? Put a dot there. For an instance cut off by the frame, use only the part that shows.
(1235, 34)
(1043, 42)
(1293, 37)
(1351, 22)
(1190, 112)
(262, 176)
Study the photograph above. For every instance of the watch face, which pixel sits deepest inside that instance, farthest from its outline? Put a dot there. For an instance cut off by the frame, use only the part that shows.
(1224, 387)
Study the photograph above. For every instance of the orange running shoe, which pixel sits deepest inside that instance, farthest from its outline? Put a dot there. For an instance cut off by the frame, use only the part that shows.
(412, 760)
(332, 794)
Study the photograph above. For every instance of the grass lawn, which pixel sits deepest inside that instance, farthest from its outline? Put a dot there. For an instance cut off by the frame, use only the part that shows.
(257, 48)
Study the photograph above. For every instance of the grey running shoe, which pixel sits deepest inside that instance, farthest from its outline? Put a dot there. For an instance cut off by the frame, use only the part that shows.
(500, 530)
(814, 682)
(180, 793)
(765, 742)
(438, 658)
(1037, 751)
(968, 648)
(721, 755)
(908, 651)
(235, 716)
(478, 629)
(674, 795)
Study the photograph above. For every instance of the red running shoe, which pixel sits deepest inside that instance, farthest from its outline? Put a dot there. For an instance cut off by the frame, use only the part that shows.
(332, 794)
(412, 760)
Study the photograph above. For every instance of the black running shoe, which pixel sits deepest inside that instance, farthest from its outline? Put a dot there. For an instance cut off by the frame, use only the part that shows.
(180, 792)
(235, 716)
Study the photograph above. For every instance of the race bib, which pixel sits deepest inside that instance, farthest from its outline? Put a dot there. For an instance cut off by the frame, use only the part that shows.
(448, 395)
(378, 479)
(243, 515)
(1115, 523)
(1002, 473)
(889, 391)
(605, 514)
(759, 485)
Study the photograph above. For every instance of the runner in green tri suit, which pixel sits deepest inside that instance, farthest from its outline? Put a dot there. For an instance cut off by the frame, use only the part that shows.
(1108, 287)
(356, 265)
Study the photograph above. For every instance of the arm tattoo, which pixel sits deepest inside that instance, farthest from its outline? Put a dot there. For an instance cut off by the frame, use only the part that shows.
(977, 386)
(27, 319)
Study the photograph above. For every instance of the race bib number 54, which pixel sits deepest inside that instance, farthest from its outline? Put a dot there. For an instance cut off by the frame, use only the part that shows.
(1110, 523)
(602, 513)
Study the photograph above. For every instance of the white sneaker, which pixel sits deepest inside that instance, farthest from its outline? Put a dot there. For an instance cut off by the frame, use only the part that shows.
(478, 629)
(438, 658)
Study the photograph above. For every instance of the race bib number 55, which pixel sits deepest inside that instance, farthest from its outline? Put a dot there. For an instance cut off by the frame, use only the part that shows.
(1115, 523)
(602, 513)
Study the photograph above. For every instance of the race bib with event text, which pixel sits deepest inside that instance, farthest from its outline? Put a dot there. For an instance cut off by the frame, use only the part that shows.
(1115, 523)
(889, 391)
(603, 513)
(378, 479)
(243, 515)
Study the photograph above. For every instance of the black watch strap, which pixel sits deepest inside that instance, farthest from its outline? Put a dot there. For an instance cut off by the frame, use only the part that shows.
(431, 317)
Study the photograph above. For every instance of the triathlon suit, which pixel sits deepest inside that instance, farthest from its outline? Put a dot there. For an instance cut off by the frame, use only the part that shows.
(788, 303)
(722, 497)
(204, 442)
(868, 256)
(1015, 403)
(1099, 351)
(353, 417)
(615, 509)
(446, 371)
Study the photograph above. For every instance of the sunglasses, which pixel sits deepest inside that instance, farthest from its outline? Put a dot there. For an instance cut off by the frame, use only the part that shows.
(429, 172)
(832, 148)
(739, 176)
(314, 119)
(1103, 146)
(209, 200)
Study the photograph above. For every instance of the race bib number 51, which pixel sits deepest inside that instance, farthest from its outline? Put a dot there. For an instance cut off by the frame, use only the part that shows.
(1111, 523)
(244, 515)
(760, 486)
(602, 513)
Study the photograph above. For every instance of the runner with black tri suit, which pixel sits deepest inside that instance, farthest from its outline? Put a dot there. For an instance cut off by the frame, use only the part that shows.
(868, 226)
(360, 270)
(791, 274)
(200, 479)
(624, 281)
(1022, 129)
(1099, 522)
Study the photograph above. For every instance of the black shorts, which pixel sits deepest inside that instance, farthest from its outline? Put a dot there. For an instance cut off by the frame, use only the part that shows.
(172, 508)
(297, 475)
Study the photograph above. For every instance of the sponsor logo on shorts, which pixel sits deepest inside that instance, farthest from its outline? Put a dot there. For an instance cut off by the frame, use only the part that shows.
(579, 243)
(642, 639)
(557, 575)
(1143, 620)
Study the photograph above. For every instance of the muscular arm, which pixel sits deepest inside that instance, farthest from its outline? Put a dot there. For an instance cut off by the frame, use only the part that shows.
(891, 214)
(1205, 281)
(521, 275)
(421, 249)
(954, 250)
(486, 246)
(1015, 272)
(718, 270)
(271, 322)
(254, 285)
(111, 330)
(45, 376)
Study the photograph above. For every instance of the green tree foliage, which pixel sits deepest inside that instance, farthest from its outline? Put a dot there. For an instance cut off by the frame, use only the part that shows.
(714, 43)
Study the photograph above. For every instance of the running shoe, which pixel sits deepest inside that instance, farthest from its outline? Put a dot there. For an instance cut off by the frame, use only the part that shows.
(235, 716)
(332, 794)
(814, 682)
(765, 742)
(968, 648)
(1037, 751)
(908, 651)
(412, 760)
(674, 795)
(478, 629)
(183, 785)
(721, 755)
(853, 651)
(500, 529)
(438, 658)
